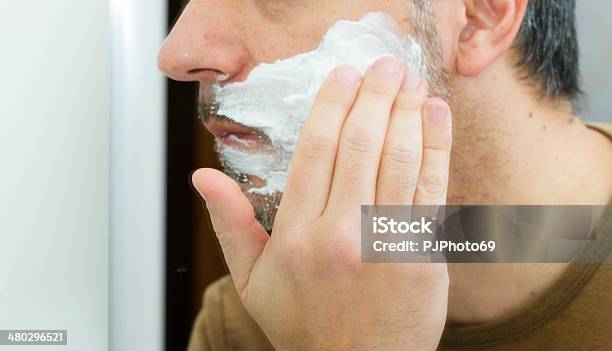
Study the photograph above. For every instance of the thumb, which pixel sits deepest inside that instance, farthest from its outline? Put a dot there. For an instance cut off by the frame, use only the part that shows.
(241, 237)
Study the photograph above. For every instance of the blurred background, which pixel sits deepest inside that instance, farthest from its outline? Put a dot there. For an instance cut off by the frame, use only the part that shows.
(100, 232)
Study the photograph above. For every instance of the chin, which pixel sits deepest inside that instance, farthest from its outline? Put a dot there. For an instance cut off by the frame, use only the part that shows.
(265, 207)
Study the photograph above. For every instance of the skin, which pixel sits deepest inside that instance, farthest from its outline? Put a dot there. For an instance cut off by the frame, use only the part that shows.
(509, 147)
(312, 261)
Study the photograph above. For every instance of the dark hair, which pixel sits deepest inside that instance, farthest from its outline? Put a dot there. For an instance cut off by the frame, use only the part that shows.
(549, 47)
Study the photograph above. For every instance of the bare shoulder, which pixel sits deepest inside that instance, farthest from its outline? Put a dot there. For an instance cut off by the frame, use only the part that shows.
(604, 128)
(602, 151)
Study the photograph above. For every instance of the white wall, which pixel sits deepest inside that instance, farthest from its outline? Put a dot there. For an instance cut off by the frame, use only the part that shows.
(82, 163)
(54, 169)
(595, 37)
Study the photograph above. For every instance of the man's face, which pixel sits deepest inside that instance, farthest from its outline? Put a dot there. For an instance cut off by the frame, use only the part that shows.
(220, 42)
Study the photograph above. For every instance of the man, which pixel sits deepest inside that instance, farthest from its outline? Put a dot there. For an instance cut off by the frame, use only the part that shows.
(508, 69)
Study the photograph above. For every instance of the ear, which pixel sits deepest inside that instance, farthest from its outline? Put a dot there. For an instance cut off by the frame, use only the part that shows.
(492, 26)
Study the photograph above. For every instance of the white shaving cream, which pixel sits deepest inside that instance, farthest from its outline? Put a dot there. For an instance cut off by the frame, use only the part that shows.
(276, 98)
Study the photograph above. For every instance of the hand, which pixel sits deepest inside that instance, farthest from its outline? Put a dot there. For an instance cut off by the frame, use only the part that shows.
(376, 140)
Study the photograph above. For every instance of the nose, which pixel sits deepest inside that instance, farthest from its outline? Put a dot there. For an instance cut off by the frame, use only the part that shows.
(201, 47)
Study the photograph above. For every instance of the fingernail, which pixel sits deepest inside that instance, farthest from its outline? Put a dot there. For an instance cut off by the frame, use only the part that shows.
(387, 66)
(347, 75)
(411, 81)
(436, 111)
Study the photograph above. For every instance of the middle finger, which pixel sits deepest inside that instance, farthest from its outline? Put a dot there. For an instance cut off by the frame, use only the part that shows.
(363, 135)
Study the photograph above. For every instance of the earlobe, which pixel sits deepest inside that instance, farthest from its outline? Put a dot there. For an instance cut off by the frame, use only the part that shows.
(492, 26)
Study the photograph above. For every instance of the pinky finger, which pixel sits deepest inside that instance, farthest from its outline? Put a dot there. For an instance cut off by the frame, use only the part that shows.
(432, 186)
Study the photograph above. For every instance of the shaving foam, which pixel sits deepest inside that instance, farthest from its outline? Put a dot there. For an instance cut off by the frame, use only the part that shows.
(276, 98)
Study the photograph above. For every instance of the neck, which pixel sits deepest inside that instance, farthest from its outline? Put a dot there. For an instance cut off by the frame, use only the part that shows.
(515, 149)
(512, 148)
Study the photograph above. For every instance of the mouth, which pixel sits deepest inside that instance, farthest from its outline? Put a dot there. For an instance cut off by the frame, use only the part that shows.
(231, 134)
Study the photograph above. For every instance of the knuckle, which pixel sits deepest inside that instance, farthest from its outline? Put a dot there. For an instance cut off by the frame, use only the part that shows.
(225, 233)
(401, 155)
(338, 249)
(332, 100)
(446, 143)
(408, 102)
(360, 140)
(344, 254)
(404, 182)
(377, 89)
(442, 143)
(359, 169)
(226, 242)
(432, 183)
(316, 146)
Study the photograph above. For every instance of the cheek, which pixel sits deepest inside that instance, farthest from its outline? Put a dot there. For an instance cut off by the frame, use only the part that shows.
(289, 27)
(449, 24)
(292, 28)
(275, 41)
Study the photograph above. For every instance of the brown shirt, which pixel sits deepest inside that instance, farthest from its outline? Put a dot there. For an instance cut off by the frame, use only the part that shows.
(574, 314)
